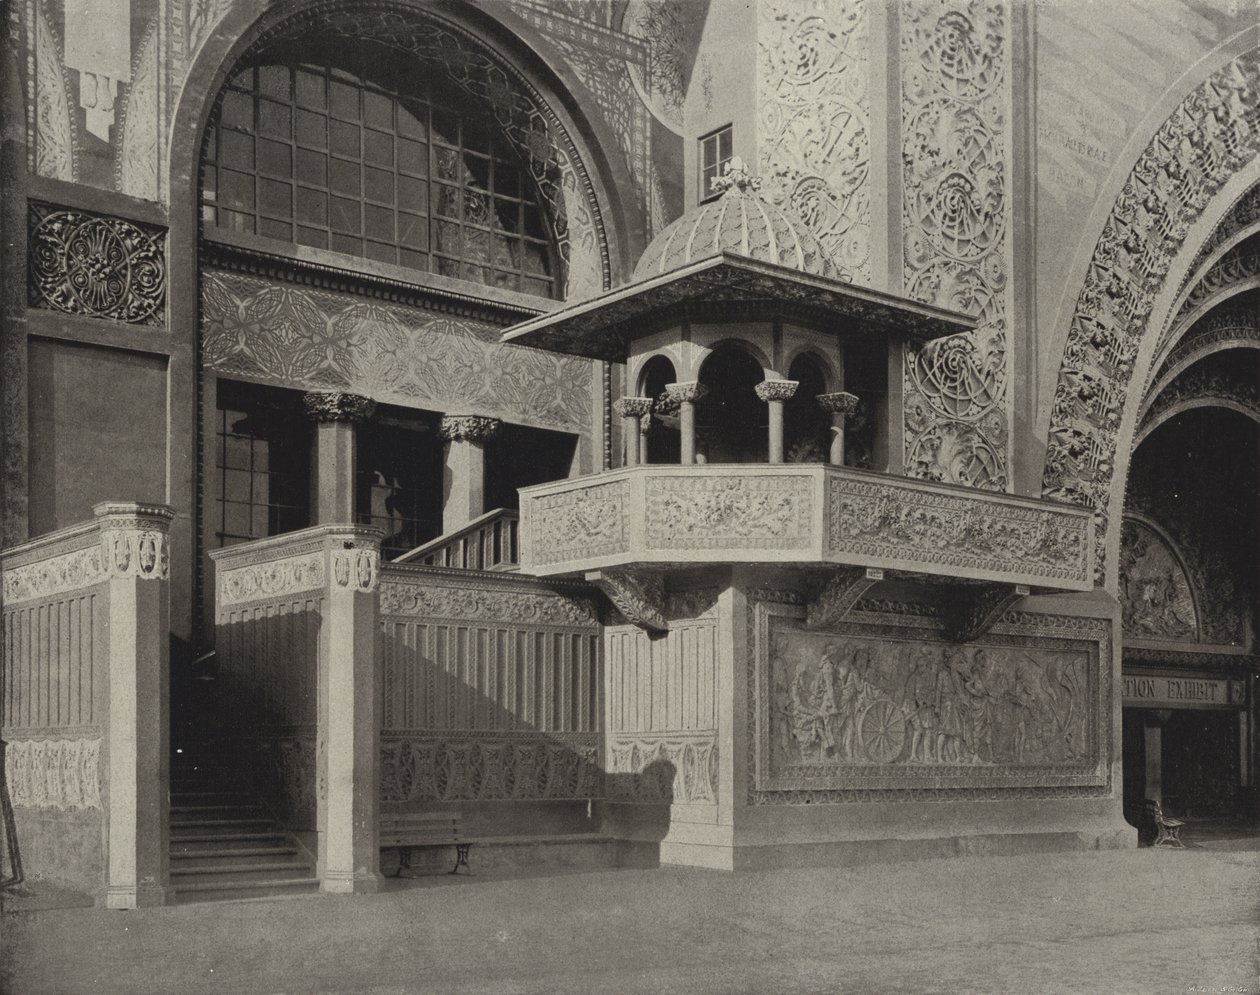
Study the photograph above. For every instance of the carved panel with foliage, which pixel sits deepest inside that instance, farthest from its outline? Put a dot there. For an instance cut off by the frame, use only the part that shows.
(955, 123)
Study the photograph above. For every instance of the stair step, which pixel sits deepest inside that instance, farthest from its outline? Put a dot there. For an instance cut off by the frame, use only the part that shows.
(255, 892)
(222, 839)
(211, 809)
(230, 885)
(278, 869)
(250, 855)
(218, 823)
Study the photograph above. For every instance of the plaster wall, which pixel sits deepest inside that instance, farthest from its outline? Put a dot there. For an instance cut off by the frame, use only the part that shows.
(97, 430)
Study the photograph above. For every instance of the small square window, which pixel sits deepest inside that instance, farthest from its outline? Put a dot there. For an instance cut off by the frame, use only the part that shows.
(715, 153)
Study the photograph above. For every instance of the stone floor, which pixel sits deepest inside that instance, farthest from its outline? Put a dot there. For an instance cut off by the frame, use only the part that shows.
(1116, 922)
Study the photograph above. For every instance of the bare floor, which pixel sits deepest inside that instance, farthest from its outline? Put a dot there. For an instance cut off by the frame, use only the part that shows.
(1115, 922)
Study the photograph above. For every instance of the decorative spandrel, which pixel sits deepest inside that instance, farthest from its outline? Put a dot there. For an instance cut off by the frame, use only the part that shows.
(1155, 593)
(98, 266)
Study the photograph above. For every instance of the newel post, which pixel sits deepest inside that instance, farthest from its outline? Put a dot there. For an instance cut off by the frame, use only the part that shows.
(135, 561)
(348, 744)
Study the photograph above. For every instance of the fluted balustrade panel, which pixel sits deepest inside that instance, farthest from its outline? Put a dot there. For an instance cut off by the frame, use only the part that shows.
(54, 663)
(268, 658)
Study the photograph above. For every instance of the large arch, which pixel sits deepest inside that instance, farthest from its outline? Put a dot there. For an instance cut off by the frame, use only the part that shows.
(547, 122)
(1183, 183)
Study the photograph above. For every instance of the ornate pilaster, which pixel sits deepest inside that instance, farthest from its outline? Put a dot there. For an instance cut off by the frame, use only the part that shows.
(335, 414)
(466, 436)
(632, 410)
(685, 395)
(774, 393)
(839, 405)
(136, 567)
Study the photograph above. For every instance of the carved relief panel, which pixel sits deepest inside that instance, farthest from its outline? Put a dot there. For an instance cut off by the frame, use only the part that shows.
(885, 703)
(814, 125)
(97, 266)
(955, 122)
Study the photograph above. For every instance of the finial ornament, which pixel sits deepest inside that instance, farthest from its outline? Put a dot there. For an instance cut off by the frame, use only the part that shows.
(736, 177)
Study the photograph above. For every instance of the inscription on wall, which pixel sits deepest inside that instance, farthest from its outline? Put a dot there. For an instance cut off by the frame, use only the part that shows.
(1183, 692)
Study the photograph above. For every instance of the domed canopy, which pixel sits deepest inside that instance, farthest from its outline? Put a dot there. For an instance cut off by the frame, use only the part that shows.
(738, 222)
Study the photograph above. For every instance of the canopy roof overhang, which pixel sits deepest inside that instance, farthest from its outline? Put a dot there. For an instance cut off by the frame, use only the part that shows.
(602, 327)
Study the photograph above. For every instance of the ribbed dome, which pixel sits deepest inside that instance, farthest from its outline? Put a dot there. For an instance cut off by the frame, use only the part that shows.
(739, 222)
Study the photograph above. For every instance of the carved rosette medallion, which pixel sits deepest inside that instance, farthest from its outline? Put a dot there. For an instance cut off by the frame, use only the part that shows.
(469, 428)
(954, 91)
(729, 512)
(776, 390)
(334, 406)
(102, 267)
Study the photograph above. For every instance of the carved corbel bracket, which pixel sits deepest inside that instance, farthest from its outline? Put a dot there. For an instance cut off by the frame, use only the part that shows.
(975, 609)
(638, 595)
(839, 595)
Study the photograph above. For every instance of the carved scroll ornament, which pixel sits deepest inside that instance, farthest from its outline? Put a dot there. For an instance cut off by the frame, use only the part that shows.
(101, 267)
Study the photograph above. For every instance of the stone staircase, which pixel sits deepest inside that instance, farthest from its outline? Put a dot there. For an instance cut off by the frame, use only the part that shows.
(224, 844)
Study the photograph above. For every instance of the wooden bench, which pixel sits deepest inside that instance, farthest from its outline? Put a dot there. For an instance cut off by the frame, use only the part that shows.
(405, 832)
(1167, 831)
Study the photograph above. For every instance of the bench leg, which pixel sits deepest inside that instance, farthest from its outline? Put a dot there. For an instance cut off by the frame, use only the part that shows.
(404, 861)
(461, 858)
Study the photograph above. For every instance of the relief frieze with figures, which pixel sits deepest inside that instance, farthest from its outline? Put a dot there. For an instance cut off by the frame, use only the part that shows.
(890, 707)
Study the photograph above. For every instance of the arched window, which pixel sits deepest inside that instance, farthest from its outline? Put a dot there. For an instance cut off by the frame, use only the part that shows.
(731, 420)
(808, 427)
(362, 151)
(661, 442)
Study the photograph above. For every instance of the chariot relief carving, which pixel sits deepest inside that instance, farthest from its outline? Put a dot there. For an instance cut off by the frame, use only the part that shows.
(841, 701)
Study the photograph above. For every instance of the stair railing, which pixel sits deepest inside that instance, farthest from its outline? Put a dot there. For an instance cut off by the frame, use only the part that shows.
(489, 542)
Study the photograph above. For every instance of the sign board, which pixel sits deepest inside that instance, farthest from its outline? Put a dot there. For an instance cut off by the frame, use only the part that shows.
(1182, 692)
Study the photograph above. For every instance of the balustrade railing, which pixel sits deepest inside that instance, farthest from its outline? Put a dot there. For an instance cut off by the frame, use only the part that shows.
(485, 543)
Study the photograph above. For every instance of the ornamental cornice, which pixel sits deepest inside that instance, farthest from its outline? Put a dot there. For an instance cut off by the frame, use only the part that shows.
(632, 407)
(55, 576)
(838, 403)
(417, 597)
(470, 428)
(275, 579)
(337, 406)
(776, 390)
(315, 538)
(686, 391)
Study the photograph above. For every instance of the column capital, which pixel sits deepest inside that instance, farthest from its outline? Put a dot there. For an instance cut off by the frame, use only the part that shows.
(839, 403)
(632, 407)
(776, 390)
(687, 390)
(470, 428)
(335, 405)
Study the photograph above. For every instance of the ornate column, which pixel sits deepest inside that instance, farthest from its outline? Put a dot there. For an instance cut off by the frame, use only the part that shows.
(686, 395)
(840, 405)
(632, 410)
(774, 393)
(135, 563)
(464, 490)
(332, 453)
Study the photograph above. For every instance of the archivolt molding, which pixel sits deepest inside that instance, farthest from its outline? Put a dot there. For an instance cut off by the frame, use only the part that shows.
(527, 118)
(1235, 330)
(1212, 135)
(1242, 221)
(1231, 274)
(1199, 389)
